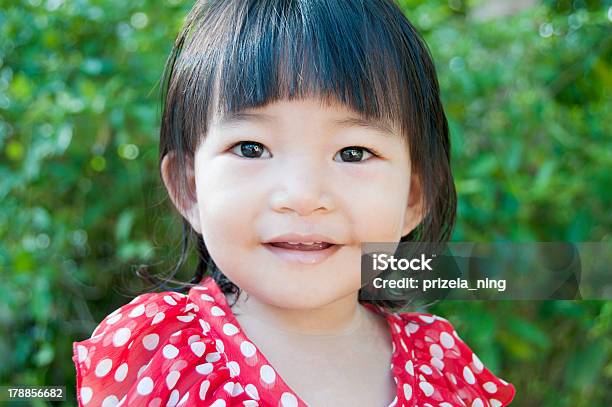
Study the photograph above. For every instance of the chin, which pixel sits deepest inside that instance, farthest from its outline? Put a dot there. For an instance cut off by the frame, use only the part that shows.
(304, 298)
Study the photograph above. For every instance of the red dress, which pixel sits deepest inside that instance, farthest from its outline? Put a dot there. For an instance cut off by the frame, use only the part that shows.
(171, 349)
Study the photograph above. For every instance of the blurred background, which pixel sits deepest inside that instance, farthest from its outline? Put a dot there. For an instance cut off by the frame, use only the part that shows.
(526, 88)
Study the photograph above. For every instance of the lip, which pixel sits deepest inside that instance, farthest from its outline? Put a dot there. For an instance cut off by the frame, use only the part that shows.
(297, 238)
(309, 257)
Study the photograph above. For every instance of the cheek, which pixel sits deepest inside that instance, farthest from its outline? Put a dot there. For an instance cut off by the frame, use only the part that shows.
(224, 190)
(227, 205)
(377, 203)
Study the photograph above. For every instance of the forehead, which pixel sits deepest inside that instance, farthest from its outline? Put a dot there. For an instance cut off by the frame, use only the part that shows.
(333, 115)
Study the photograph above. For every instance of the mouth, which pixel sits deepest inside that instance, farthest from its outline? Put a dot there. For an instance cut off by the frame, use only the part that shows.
(307, 246)
(303, 252)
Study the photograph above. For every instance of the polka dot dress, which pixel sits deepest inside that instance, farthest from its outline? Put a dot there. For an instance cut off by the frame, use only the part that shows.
(171, 349)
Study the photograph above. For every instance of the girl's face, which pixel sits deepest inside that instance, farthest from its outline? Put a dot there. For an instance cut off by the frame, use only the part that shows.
(300, 171)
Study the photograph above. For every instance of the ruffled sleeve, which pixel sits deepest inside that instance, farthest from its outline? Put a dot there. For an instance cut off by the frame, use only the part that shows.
(440, 368)
(155, 351)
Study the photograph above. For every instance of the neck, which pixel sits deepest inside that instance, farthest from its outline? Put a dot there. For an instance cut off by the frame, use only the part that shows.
(341, 317)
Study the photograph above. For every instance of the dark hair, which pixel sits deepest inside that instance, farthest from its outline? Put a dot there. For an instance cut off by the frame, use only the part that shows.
(237, 54)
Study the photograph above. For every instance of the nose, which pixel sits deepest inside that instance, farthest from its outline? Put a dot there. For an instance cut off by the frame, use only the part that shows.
(302, 188)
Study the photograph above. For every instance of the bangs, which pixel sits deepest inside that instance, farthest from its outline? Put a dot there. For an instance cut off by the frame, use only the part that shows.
(233, 56)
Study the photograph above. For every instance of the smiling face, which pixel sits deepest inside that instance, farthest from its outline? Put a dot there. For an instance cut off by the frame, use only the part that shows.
(297, 171)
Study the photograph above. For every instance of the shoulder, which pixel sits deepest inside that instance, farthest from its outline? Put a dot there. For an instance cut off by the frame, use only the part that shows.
(440, 361)
(155, 338)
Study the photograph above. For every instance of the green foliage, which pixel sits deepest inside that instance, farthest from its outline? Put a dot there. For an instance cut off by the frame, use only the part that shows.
(527, 97)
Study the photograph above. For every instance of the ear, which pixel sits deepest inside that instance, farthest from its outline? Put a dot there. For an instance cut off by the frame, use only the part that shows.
(415, 208)
(183, 194)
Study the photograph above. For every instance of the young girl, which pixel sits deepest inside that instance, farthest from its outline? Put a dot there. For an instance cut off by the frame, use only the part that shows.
(293, 131)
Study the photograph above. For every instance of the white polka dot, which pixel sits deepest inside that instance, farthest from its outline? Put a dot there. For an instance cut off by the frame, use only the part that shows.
(427, 388)
(250, 403)
(445, 404)
(468, 375)
(207, 297)
(141, 370)
(150, 341)
(103, 367)
(251, 390)
(110, 401)
(172, 378)
(503, 381)
(113, 319)
(268, 375)
(229, 387)
(213, 357)
(407, 391)
(145, 386)
(86, 394)
(477, 403)
(192, 306)
(204, 368)
(495, 403)
(136, 312)
(158, 318)
(151, 309)
(136, 299)
(193, 338)
(218, 403)
(186, 318)
(288, 400)
(477, 363)
(121, 372)
(230, 329)
(247, 349)
(121, 336)
(219, 345)
(205, 326)
(427, 318)
(82, 352)
(183, 400)
(447, 340)
(204, 389)
(437, 363)
(198, 348)
(411, 328)
(170, 351)
(169, 300)
(452, 378)
(490, 387)
(426, 369)
(216, 311)
(234, 368)
(174, 398)
(436, 351)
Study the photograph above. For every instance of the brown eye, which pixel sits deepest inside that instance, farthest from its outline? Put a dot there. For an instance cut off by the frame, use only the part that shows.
(354, 154)
(249, 149)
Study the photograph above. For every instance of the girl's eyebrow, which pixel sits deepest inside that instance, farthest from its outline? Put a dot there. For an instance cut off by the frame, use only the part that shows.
(234, 118)
(377, 126)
